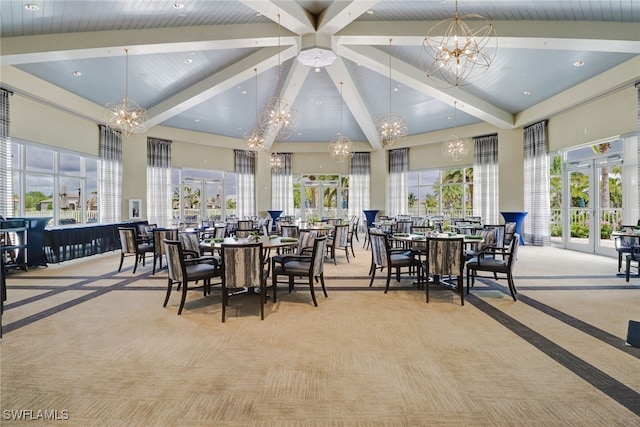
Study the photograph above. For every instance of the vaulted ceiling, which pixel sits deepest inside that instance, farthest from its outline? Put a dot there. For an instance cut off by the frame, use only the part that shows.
(209, 66)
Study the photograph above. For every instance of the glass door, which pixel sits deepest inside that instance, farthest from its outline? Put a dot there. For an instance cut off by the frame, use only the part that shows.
(594, 195)
(320, 198)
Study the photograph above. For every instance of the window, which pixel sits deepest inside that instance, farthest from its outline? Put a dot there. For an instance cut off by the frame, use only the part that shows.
(54, 183)
(447, 192)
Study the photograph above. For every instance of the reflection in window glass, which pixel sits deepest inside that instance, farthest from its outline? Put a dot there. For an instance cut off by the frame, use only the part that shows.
(16, 194)
(39, 159)
(38, 194)
(70, 164)
(91, 200)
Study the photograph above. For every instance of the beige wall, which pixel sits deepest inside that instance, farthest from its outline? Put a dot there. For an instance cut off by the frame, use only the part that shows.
(31, 120)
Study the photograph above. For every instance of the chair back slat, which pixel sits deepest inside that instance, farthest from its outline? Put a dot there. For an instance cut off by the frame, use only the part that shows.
(175, 265)
(127, 239)
(242, 265)
(379, 248)
(319, 246)
(445, 256)
(190, 241)
(159, 234)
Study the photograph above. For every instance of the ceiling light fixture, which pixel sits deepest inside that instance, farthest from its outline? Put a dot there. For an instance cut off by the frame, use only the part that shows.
(276, 161)
(341, 147)
(32, 7)
(391, 128)
(454, 147)
(317, 57)
(277, 118)
(459, 54)
(253, 142)
(126, 115)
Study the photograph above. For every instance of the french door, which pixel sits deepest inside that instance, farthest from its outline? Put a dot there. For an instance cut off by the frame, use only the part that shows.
(321, 198)
(591, 204)
(201, 199)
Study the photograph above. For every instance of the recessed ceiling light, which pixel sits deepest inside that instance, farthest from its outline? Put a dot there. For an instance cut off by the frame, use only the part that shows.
(76, 73)
(197, 120)
(317, 69)
(318, 102)
(396, 89)
(32, 7)
(178, 5)
(243, 92)
(527, 92)
(371, 11)
(578, 64)
(188, 61)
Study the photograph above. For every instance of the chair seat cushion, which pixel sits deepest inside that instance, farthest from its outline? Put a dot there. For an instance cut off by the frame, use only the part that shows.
(200, 271)
(488, 264)
(294, 268)
(145, 247)
(402, 260)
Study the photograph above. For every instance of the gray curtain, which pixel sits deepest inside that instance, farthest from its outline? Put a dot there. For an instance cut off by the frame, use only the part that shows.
(159, 182)
(485, 178)
(6, 182)
(398, 168)
(245, 174)
(537, 226)
(638, 144)
(282, 187)
(110, 186)
(359, 183)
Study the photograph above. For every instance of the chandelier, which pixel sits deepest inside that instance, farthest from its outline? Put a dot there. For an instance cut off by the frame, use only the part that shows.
(253, 142)
(454, 147)
(391, 128)
(341, 147)
(126, 115)
(459, 54)
(276, 161)
(277, 118)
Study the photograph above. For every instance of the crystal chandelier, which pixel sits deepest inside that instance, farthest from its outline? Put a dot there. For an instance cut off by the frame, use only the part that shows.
(454, 147)
(459, 54)
(126, 115)
(391, 128)
(341, 147)
(276, 161)
(277, 118)
(253, 142)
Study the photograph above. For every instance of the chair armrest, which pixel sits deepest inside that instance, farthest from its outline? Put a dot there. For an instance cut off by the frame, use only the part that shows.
(295, 257)
(188, 254)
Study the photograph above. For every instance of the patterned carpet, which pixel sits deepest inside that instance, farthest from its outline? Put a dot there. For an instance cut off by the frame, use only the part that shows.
(84, 345)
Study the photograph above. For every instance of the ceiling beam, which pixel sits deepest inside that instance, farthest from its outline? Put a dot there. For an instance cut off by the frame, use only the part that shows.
(339, 73)
(339, 14)
(58, 47)
(410, 76)
(292, 15)
(218, 83)
(559, 35)
(290, 90)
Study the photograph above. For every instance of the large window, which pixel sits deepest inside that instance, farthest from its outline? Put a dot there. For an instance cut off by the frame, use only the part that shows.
(51, 182)
(447, 192)
(320, 196)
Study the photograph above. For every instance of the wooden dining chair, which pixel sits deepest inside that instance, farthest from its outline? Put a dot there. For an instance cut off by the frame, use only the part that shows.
(339, 239)
(182, 273)
(310, 267)
(382, 256)
(496, 265)
(243, 268)
(131, 246)
(444, 256)
(159, 234)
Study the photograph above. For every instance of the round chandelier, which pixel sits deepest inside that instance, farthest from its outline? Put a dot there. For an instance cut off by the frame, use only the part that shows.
(277, 118)
(276, 161)
(341, 147)
(392, 127)
(253, 142)
(458, 53)
(126, 115)
(455, 148)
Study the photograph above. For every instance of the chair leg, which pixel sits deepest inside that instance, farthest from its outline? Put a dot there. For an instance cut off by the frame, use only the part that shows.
(225, 296)
(346, 252)
(121, 260)
(263, 292)
(512, 286)
(372, 271)
(184, 297)
(166, 298)
(460, 289)
(313, 294)
(153, 271)
(324, 289)
(627, 270)
(619, 261)
(388, 279)
(274, 285)
(135, 264)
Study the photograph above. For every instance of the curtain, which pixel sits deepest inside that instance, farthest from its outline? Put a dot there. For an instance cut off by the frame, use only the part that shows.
(110, 186)
(159, 182)
(537, 226)
(6, 182)
(359, 183)
(245, 173)
(485, 178)
(398, 167)
(638, 144)
(282, 187)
